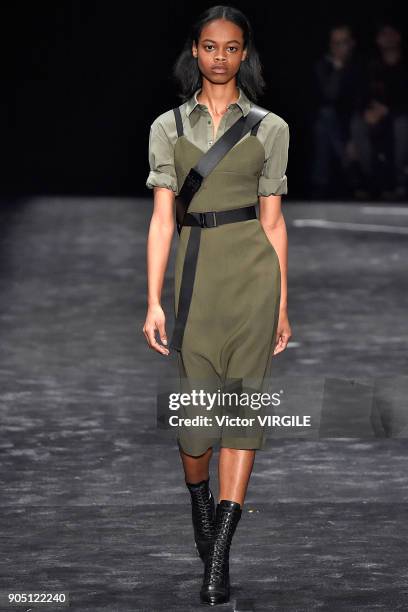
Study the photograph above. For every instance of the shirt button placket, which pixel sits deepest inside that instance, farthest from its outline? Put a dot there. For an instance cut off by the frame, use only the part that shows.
(209, 133)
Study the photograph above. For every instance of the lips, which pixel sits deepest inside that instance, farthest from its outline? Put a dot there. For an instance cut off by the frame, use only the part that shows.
(219, 69)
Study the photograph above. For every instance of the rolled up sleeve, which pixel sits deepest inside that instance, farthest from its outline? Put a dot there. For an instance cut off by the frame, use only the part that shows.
(161, 160)
(273, 180)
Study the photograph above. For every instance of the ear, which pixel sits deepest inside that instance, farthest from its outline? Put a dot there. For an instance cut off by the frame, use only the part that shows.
(194, 50)
(244, 55)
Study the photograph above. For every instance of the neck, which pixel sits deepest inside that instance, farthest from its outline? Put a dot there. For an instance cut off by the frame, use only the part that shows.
(217, 97)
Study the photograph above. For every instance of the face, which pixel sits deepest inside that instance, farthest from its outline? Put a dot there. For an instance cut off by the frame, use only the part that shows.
(220, 50)
(388, 38)
(341, 43)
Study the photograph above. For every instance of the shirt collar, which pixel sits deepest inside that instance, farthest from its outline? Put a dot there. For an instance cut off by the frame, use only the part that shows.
(243, 102)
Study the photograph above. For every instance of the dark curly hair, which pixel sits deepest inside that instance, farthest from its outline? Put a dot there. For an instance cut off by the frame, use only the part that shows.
(187, 73)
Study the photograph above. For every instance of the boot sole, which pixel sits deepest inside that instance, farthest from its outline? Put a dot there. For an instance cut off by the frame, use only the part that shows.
(214, 601)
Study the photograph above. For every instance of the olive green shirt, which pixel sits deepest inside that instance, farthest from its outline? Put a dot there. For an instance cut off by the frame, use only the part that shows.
(273, 133)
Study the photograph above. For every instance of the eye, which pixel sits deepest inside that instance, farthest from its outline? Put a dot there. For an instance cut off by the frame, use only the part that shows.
(232, 47)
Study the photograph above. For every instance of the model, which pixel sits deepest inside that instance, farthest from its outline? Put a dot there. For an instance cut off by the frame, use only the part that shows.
(231, 266)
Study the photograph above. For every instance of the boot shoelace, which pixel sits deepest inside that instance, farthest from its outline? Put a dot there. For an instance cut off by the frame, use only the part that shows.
(202, 504)
(217, 566)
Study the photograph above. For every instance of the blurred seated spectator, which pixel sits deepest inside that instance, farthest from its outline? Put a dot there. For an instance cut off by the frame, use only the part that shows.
(380, 130)
(337, 95)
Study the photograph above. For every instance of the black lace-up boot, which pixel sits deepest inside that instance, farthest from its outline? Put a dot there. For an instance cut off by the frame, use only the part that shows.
(216, 583)
(203, 514)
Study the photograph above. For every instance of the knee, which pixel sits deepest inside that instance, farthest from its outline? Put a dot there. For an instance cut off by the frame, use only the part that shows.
(234, 452)
(190, 454)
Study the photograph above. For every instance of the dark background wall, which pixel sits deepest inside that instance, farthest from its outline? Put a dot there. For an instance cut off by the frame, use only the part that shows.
(84, 80)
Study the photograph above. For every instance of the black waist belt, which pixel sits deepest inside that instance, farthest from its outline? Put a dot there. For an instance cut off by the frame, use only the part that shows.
(198, 221)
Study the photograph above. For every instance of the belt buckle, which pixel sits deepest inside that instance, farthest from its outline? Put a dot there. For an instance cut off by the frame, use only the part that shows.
(203, 219)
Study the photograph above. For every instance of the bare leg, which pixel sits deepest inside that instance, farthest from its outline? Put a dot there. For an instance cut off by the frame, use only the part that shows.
(196, 469)
(234, 470)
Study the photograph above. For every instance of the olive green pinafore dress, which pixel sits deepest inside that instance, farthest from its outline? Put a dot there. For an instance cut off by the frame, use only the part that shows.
(233, 316)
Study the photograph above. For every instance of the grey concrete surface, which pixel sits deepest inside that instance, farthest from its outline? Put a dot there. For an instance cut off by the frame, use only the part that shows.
(93, 501)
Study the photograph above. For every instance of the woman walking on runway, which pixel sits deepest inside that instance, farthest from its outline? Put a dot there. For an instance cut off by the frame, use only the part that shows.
(219, 154)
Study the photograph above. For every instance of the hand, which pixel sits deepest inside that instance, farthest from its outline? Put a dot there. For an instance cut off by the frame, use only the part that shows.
(283, 333)
(375, 112)
(155, 319)
(382, 110)
(370, 116)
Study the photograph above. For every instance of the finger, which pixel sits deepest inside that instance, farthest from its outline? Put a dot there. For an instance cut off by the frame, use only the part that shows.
(162, 333)
(277, 346)
(159, 348)
(285, 339)
(283, 343)
(153, 342)
(146, 335)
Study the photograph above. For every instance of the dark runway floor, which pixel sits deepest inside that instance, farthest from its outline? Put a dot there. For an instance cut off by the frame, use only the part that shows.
(93, 502)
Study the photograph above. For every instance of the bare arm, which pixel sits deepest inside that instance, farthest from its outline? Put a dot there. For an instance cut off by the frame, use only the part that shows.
(273, 222)
(159, 239)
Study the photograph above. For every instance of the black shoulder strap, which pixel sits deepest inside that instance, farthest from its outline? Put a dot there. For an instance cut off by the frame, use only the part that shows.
(180, 129)
(213, 156)
(255, 129)
(179, 122)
